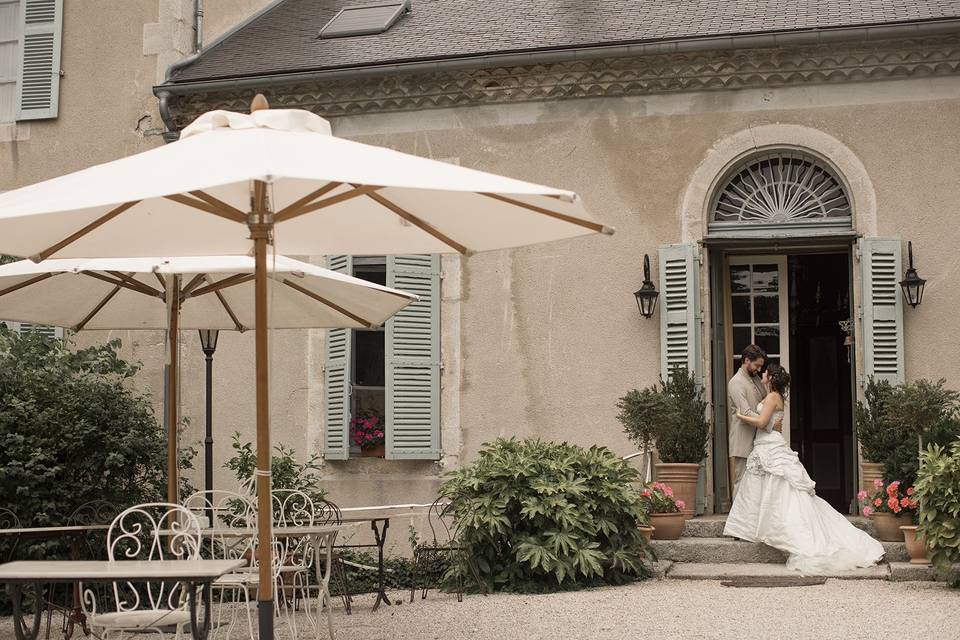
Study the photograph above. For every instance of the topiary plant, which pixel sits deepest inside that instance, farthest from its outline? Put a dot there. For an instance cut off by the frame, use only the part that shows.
(537, 516)
(938, 492)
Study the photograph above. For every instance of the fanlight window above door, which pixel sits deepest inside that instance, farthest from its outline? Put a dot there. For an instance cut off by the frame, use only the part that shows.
(783, 189)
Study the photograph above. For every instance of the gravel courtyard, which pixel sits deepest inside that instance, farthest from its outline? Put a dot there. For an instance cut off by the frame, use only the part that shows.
(841, 609)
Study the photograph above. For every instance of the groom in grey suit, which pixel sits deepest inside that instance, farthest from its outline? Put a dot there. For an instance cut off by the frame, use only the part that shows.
(744, 392)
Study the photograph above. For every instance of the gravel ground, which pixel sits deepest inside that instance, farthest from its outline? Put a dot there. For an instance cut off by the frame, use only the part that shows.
(664, 609)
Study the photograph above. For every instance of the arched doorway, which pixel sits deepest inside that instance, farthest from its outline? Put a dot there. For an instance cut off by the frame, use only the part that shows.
(779, 238)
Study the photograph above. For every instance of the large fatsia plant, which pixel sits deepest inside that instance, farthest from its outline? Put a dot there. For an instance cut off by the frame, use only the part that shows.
(938, 492)
(535, 515)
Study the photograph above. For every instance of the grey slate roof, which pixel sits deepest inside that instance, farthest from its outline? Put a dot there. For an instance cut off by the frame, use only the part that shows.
(284, 38)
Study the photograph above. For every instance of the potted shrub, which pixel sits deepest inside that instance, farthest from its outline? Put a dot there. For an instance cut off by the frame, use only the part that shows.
(874, 432)
(664, 511)
(915, 541)
(673, 414)
(366, 431)
(889, 507)
(939, 502)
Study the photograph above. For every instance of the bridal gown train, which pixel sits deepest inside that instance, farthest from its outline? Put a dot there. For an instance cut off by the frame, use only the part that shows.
(776, 504)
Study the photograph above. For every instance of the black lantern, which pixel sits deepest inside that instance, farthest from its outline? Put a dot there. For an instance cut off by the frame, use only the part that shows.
(648, 294)
(912, 284)
(208, 342)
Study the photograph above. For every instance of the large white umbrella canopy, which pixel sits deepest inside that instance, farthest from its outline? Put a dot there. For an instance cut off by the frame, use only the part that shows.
(237, 182)
(213, 292)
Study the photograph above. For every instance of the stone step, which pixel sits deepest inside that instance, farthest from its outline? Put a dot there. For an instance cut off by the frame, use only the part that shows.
(894, 572)
(712, 526)
(726, 571)
(728, 550)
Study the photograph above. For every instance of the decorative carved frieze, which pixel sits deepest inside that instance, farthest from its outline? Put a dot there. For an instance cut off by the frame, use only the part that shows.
(627, 76)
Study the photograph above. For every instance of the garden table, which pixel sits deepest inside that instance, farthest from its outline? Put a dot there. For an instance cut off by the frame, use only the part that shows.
(379, 519)
(195, 573)
(72, 535)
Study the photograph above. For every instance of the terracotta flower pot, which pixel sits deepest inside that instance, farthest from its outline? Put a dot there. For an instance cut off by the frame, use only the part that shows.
(667, 526)
(682, 478)
(888, 525)
(376, 451)
(870, 471)
(916, 545)
(646, 531)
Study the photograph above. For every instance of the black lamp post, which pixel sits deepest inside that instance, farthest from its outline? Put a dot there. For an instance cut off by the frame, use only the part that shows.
(912, 284)
(647, 295)
(208, 342)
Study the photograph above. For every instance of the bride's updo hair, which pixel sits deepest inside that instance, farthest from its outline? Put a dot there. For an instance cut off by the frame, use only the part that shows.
(779, 378)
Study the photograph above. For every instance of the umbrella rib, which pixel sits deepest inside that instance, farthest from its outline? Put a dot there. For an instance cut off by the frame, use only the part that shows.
(27, 283)
(119, 282)
(98, 308)
(310, 197)
(229, 311)
(135, 284)
(231, 281)
(107, 217)
(203, 206)
(417, 222)
(213, 201)
(163, 284)
(326, 302)
(322, 204)
(593, 226)
(197, 279)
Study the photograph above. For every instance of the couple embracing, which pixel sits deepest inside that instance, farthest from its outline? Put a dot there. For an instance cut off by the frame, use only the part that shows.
(775, 501)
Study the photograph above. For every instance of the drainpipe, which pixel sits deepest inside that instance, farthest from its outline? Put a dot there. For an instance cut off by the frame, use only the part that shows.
(197, 26)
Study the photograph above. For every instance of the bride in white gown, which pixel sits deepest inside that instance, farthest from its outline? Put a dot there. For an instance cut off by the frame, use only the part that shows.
(776, 503)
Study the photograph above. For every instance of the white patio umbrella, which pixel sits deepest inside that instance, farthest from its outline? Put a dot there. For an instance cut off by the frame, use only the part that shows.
(211, 292)
(236, 182)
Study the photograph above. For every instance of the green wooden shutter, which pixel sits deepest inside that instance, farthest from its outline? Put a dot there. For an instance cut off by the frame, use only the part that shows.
(679, 309)
(882, 309)
(338, 354)
(45, 330)
(38, 75)
(413, 361)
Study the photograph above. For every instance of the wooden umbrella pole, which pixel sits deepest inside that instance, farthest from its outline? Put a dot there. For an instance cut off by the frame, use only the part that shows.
(261, 226)
(173, 333)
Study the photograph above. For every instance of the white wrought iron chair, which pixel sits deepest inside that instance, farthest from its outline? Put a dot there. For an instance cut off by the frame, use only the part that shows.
(222, 511)
(293, 556)
(153, 531)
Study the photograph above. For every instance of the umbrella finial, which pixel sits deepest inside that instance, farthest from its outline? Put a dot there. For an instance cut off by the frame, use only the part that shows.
(259, 102)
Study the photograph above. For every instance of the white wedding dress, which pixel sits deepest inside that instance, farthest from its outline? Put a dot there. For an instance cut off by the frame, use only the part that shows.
(776, 504)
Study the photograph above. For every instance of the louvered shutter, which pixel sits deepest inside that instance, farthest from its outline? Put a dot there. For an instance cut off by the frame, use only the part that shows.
(336, 380)
(882, 309)
(45, 330)
(413, 361)
(38, 76)
(679, 309)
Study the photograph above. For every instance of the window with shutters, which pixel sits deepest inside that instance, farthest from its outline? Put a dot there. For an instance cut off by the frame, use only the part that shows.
(10, 29)
(392, 371)
(35, 91)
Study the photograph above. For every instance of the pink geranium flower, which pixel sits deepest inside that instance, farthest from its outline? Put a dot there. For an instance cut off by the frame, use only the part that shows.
(867, 511)
(681, 505)
(862, 495)
(878, 483)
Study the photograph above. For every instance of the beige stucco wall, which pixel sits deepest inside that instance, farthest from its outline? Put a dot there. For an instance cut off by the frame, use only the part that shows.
(550, 335)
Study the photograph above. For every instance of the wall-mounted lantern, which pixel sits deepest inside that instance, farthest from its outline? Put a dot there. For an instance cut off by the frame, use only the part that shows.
(912, 284)
(648, 294)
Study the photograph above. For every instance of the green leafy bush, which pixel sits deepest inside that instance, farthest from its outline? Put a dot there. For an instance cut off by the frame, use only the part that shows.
(73, 430)
(893, 418)
(938, 491)
(671, 413)
(286, 471)
(534, 516)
